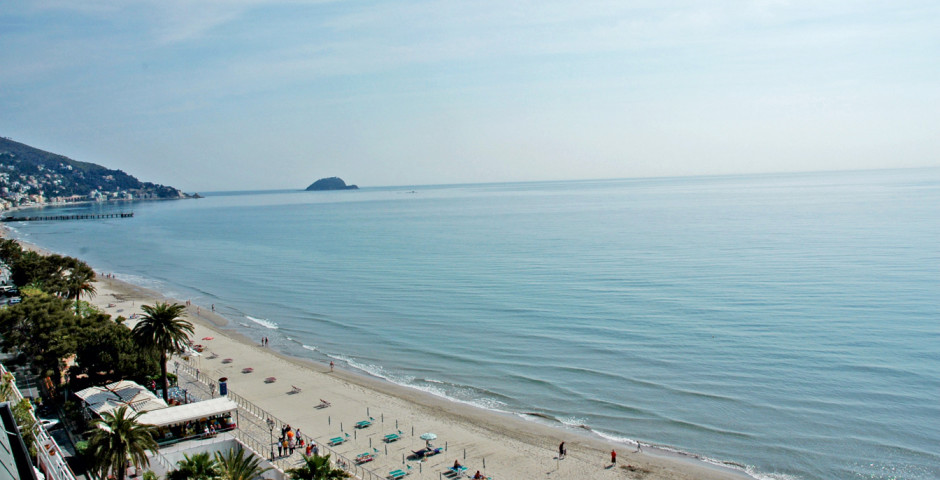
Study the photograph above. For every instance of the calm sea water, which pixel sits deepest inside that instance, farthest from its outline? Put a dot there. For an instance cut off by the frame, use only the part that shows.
(787, 323)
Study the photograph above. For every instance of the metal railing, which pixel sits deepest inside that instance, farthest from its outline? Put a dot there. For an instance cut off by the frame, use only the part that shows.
(49, 455)
(339, 460)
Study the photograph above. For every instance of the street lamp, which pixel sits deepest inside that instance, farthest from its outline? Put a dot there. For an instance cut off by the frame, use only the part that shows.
(271, 431)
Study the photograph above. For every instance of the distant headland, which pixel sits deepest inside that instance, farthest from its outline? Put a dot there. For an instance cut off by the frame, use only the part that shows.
(33, 177)
(332, 183)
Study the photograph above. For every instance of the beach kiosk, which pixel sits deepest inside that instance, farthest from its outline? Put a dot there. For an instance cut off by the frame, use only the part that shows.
(192, 421)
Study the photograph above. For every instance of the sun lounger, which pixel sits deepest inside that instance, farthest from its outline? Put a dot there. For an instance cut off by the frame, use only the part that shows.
(392, 437)
(337, 441)
(270, 380)
(364, 457)
(227, 360)
(323, 404)
(397, 474)
(363, 424)
(247, 370)
(295, 389)
(458, 471)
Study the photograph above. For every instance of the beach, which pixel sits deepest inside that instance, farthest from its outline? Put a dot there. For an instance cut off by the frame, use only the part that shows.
(511, 446)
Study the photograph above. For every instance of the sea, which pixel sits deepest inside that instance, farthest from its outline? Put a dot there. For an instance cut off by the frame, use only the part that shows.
(787, 325)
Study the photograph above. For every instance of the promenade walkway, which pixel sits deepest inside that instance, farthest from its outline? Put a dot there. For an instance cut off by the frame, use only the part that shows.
(258, 428)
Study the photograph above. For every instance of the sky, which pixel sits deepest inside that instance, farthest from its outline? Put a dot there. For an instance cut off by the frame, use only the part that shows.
(216, 95)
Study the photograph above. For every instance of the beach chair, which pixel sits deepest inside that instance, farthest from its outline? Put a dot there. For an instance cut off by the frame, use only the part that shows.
(270, 380)
(295, 389)
(227, 360)
(336, 441)
(363, 424)
(397, 474)
(247, 370)
(364, 457)
(392, 437)
(323, 404)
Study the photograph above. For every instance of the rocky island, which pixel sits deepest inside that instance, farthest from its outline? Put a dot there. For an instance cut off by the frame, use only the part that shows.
(332, 183)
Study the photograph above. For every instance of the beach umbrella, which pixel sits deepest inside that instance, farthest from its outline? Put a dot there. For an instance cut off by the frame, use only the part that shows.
(427, 437)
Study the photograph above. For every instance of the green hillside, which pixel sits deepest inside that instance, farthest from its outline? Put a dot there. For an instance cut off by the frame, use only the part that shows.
(27, 171)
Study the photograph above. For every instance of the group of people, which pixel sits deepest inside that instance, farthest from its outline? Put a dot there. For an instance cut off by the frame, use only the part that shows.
(458, 466)
(289, 440)
(264, 341)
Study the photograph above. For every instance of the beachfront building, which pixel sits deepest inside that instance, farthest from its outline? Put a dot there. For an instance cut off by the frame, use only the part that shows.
(107, 398)
(200, 427)
(183, 421)
(206, 426)
(191, 421)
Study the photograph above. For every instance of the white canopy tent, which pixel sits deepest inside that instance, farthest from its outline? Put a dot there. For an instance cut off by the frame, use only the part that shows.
(190, 411)
(112, 396)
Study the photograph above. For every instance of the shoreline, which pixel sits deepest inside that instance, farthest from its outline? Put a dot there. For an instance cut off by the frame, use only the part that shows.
(511, 445)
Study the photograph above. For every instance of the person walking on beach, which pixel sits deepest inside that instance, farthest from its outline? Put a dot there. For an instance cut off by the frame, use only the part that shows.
(613, 457)
(331, 365)
(561, 450)
(638, 449)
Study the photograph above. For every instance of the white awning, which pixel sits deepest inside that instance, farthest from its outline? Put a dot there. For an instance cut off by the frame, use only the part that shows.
(190, 411)
(110, 397)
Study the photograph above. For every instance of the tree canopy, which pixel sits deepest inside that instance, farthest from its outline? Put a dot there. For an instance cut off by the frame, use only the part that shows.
(162, 329)
(317, 467)
(43, 327)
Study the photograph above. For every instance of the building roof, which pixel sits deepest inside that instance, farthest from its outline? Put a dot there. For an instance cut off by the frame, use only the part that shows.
(112, 396)
(190, 411)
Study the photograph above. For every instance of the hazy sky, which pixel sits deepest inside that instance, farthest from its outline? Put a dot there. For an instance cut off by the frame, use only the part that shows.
(217, 95)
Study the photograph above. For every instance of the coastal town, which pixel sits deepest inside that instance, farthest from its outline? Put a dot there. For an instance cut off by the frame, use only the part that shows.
(30, 177)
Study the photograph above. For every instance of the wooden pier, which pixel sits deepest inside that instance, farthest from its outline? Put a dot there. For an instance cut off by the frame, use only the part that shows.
(89, 216)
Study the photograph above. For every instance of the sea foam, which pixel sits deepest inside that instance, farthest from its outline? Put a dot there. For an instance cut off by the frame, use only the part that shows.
(263, 322)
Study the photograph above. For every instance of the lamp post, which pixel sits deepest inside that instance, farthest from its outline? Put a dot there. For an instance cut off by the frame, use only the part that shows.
(271, 432)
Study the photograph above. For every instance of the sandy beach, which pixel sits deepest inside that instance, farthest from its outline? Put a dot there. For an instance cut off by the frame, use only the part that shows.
(512, 447)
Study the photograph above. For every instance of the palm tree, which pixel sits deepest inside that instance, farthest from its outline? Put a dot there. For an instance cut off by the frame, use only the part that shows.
(200, 466)
(79, 282)
(162, 328)
(117, 438)
(316, 467)
(235, 465)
